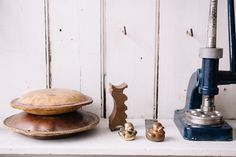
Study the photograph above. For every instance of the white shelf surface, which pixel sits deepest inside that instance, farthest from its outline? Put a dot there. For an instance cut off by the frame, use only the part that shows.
(102, 141)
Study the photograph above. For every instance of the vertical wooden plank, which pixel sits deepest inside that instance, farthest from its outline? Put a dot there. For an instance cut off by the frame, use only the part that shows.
(179, 52)
(89, 48)
(64, 35)
(22, 55)
(130, 58)
(75, 46)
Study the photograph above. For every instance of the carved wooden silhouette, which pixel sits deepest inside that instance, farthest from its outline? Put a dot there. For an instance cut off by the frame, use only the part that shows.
(118, 115)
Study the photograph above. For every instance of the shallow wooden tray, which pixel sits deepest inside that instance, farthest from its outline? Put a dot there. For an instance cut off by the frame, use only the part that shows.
(46, 127)
(50, 110)
(51, 101)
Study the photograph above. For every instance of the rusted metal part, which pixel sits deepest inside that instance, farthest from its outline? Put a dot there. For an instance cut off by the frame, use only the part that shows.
(128, 132)
(47, 127)
(118, 115)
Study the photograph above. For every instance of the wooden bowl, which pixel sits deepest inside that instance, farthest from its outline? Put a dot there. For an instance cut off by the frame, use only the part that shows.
(46, 127)
(51, 101)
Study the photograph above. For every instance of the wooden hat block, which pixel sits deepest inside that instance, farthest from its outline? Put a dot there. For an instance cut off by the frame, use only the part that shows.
(51, 113)
(118, 115)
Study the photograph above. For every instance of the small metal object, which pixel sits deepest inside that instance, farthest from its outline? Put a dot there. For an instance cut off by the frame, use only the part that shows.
(211, 53)
(128, 132)
(197, 116)
(118, 115)
(154, 131)
(124, 31)
(190, 32)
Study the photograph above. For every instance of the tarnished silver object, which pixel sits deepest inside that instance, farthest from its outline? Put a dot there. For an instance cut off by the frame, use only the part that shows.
(212, 24)
(198, 116)
(128, 132)
(207, 115)
(213, 53)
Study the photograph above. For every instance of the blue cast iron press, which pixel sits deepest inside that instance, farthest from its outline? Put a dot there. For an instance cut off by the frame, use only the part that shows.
(199, 120)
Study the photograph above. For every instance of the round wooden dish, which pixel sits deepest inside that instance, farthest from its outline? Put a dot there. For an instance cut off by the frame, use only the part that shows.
(46, 127)
(51, 101)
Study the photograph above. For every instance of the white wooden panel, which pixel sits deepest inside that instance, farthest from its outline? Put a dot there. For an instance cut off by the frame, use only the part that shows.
(89, 47)
(130, 58)
(75, 45)
(22, 62)
(179, 52)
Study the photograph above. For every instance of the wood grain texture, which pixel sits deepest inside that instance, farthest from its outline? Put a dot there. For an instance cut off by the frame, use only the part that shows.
(118, 115)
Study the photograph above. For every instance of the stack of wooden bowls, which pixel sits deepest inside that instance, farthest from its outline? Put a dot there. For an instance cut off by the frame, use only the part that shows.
(50, 113)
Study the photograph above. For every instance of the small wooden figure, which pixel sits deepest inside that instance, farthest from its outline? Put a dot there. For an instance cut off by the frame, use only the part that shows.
(118, 115)
(128, 132)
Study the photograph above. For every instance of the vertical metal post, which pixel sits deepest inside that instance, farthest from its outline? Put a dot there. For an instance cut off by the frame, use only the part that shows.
(212, 25)
(210, 66)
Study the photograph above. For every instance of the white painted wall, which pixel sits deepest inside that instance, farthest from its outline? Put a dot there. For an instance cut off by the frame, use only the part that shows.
(75, 47)
(130, 58)
(76, 50)
(22, 56)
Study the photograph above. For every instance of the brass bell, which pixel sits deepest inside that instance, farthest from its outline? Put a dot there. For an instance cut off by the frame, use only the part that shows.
(127, 132)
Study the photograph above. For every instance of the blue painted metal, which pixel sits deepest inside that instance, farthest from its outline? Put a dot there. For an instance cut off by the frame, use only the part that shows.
(193, 132)
(231, 32)
(209, 72)
(204, 82)
(193, 99)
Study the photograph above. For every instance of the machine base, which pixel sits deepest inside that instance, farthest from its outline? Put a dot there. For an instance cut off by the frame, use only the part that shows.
(220, 132)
